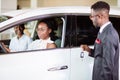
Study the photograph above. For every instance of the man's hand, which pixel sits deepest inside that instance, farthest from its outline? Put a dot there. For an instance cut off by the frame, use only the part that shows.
(85, 48)
(7, 49)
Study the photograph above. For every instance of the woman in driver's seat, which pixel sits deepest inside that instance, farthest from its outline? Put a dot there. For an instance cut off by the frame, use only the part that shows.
(45, 34)
(20, 42)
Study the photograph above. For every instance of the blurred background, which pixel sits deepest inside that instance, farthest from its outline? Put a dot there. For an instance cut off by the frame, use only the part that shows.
(10, 5)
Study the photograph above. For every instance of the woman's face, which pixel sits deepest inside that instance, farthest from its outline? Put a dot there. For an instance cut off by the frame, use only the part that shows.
(43, 31)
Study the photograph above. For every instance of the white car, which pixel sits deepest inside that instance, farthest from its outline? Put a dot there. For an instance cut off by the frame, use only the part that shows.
(66, 62)
(7, 15)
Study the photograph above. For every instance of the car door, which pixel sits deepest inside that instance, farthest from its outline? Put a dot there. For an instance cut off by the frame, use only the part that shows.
(36, 65)
(81, 65)
(46, 64)
(82, 32)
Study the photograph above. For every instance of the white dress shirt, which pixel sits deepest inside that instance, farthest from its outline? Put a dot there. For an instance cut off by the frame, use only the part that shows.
(20, 44)
(103, 26)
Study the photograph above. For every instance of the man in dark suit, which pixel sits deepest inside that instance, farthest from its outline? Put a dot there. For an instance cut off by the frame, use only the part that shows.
(106, 47)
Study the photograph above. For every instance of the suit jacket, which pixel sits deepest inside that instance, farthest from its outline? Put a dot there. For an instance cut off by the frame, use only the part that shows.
(106, 55)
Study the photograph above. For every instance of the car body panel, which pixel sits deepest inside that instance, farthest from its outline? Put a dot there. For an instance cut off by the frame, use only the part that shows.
(38, 65)
(15, 13)
(80, 60)
(7, 15)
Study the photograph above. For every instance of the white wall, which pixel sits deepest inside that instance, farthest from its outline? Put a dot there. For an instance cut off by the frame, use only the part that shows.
(8, 5)
(33, 3)
(47, 3)
(0, 6)
(24, 3)
(118, 1)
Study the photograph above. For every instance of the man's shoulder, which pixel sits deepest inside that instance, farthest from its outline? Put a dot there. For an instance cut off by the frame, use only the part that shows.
(14, 38)
(27, 37)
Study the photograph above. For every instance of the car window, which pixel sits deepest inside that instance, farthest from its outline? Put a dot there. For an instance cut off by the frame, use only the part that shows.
(116, 23)
(80, 30)
(10, 33)
(30, 31)
(57, 30)
(86, 33)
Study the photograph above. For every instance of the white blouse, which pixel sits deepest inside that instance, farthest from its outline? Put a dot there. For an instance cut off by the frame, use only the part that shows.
(39, 44)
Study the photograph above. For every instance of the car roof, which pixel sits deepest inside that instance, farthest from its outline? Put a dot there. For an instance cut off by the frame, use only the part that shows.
(82, 10)
(52, 10)
(7, 15)
(15, 13)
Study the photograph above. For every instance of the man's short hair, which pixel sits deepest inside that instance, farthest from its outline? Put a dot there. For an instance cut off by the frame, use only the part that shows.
(22, 26)
(100, 5)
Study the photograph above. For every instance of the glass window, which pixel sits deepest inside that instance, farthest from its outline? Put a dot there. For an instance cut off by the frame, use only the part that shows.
(86, 32)
(82, 31)
(116, 23)
(30, 30)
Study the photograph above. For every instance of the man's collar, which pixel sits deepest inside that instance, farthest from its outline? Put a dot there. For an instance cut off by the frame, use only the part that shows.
(103, 26)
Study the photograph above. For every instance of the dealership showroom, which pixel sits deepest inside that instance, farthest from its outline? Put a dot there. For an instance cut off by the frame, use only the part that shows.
(10, 5)
(59, 40)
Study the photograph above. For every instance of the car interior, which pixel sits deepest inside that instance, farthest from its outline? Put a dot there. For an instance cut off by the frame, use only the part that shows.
(30, 30)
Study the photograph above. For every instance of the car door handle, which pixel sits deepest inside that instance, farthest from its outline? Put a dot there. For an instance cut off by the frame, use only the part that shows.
(82, 54)
(58, 68)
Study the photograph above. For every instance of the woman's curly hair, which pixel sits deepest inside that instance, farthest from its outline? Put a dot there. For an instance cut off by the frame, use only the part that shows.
(52, 24)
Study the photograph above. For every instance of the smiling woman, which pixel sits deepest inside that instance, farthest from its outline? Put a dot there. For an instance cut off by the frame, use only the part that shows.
(45, 32)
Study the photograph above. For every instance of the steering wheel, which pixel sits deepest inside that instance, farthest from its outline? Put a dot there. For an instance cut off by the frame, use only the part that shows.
(2, 49)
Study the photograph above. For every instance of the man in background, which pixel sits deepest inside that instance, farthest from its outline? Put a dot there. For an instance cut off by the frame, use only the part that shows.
(20, 42)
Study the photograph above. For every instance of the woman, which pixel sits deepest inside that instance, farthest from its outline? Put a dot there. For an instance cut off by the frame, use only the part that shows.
(45, 34)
